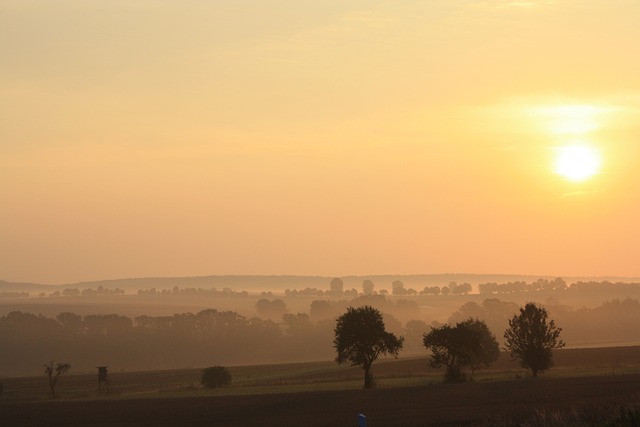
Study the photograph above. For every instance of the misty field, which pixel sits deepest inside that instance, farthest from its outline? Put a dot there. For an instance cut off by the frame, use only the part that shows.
(589, 386)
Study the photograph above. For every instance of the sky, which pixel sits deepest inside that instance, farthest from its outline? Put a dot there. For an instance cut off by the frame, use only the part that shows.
(147, 138)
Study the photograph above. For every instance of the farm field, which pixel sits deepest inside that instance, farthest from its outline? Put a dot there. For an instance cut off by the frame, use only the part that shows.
(591, 382)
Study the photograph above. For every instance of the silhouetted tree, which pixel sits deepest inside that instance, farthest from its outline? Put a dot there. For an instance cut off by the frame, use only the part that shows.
(531, 339)
(558, 284)
(336, 286)
(367, 287)
(297, 324)
(462, 289)
(215, 376)
(271, 309)
(71, 323)
(323, 309)
(492, 311)
(71, 292)
(430, 290)
(397, 288)
(360, 338)
(53, 372)
(468, 344)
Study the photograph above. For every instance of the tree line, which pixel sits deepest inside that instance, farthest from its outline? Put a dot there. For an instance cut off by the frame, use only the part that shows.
(336, 288)
(222, 337)
(360, 338)
(159, 342)
(555, 285)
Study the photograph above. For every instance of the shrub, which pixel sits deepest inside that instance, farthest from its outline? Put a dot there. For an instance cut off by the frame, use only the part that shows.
(215, 376)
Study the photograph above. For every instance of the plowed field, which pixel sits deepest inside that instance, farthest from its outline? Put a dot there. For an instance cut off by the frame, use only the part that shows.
(480, 403)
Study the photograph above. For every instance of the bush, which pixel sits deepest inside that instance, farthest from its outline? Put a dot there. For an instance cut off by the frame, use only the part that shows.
(215, 376)
(455, 375)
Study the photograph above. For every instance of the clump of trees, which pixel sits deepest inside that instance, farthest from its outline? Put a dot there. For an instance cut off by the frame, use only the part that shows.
(531, 337)
(53, 372)
(452, 289)
(273, 309)
(191, 292)
(557, 284)
(360, 338)
(468, 344)
(215, 376)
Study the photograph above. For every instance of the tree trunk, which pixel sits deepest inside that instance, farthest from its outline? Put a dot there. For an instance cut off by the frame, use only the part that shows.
(52, 386)
(368, 377)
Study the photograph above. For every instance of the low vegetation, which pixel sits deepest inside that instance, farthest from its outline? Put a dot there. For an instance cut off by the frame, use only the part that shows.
(215, 376)
(588, 384)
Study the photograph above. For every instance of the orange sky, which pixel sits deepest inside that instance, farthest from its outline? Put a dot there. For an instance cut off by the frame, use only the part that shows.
(158, 138)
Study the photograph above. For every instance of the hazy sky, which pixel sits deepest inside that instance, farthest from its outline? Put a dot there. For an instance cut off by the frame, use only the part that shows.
(334, 137)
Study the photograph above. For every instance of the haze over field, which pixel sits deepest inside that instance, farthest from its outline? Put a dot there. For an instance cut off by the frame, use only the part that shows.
(162, 139)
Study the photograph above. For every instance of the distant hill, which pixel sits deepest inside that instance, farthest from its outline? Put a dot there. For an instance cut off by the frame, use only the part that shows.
(280, 283)
(24, 287)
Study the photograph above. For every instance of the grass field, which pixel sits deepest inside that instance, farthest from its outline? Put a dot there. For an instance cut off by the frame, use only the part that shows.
(594, 383)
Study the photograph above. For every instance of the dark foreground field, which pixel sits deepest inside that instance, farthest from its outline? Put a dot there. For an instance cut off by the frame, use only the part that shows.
(479, 403)
(586, 387)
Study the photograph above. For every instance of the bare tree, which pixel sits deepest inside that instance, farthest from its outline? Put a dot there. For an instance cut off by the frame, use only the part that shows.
(54, 372)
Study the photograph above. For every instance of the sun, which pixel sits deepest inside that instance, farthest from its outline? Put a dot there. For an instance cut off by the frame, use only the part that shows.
(577, 162)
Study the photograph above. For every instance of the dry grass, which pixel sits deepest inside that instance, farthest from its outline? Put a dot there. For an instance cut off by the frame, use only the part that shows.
(588, 387)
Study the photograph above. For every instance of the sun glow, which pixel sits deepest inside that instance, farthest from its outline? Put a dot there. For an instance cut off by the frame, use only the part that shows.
(577, 162)
(571, 119)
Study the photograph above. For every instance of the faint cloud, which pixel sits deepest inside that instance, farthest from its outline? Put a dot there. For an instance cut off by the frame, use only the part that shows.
(525, 4)
(582, 193)
(357, 22)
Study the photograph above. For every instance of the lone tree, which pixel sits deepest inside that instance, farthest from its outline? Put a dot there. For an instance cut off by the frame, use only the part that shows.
(53, 372)
(360, 338)
(530, 338)
(467, 344)
(336, 286)
(215, 376)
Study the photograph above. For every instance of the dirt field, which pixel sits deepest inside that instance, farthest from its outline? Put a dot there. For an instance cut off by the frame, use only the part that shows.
(481, 403)
(591, 383)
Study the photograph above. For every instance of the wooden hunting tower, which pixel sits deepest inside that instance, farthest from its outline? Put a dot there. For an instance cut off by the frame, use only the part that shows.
(103, 379)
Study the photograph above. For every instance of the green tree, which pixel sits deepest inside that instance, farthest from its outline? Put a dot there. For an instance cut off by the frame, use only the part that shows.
(53, 372)
(215, 376)
(360, 338)
(531, 338)
(467, 344)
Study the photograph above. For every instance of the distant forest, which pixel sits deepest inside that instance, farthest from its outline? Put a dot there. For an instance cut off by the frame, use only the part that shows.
(277, 334)
(337, 288)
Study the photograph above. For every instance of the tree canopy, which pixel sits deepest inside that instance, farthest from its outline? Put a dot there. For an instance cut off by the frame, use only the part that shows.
(360, 338)
(531, 338)
(467, 344)
(215, 376)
